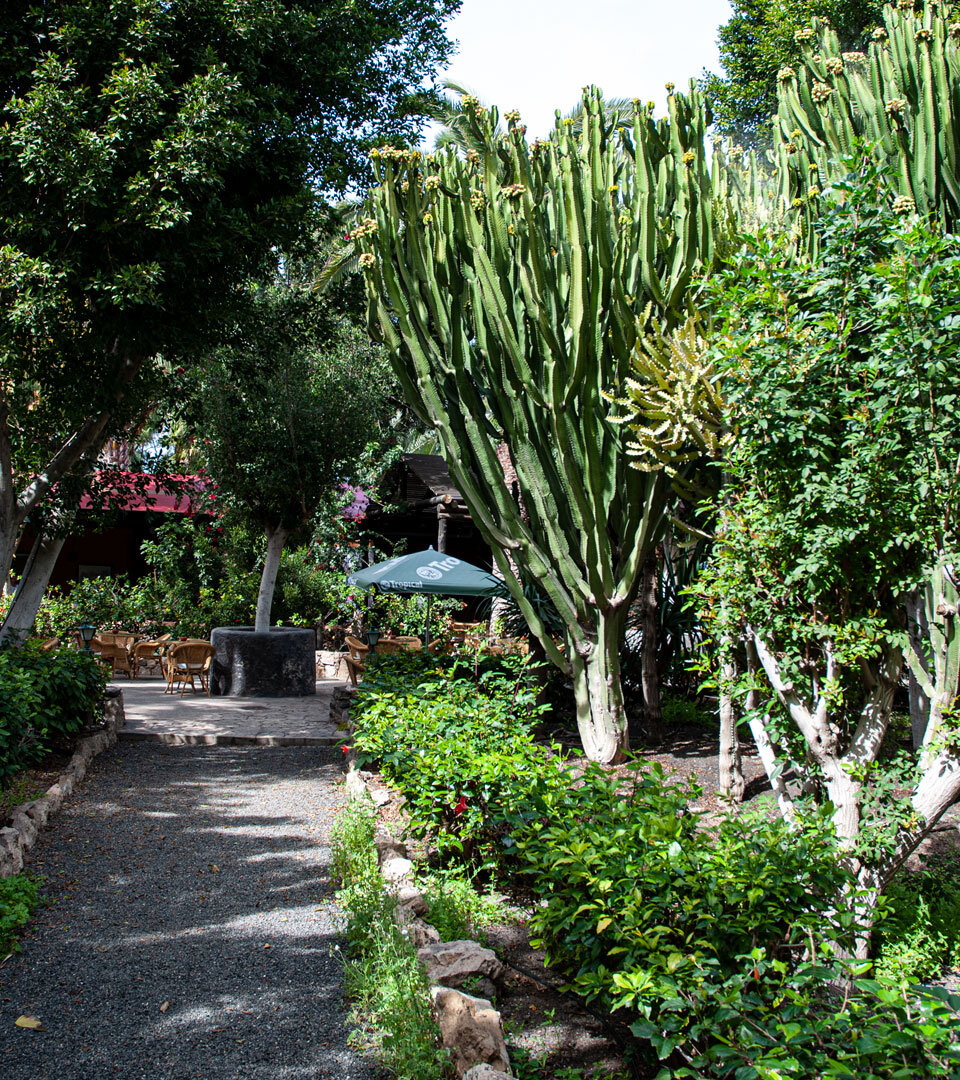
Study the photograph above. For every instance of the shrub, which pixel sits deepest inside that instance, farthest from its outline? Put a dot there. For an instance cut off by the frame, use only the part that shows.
(455, 907)
(19, 895)
(45, 699)
(712, 942)
(456, 736)
(634, 892)
(800, 1024)
(920, 935)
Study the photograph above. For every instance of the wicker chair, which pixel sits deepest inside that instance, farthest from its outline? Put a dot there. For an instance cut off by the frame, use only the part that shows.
(149, 651)
(186, 661)
(356, 657)
(116, 652)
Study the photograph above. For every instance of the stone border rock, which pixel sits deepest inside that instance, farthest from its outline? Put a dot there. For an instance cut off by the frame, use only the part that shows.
(30, 818)
(470, 1026)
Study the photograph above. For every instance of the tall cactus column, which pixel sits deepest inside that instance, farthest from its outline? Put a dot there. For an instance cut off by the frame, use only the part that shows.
(509, 286)
(901, 101)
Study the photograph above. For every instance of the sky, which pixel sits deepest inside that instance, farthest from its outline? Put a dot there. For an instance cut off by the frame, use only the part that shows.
(536, 56)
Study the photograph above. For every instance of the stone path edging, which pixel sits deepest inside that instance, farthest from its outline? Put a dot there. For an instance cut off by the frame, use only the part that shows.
(470, 1026)
(30, 818)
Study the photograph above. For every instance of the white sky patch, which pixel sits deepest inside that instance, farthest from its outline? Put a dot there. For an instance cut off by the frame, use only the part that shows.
(536, 56)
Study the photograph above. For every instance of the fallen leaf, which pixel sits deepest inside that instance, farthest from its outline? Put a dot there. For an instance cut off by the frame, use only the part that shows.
(214, 869)
(165, 1006)
(268, 946)
(29, 1022)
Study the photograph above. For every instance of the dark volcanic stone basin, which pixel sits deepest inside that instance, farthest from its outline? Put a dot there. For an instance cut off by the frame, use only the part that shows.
(278, 663)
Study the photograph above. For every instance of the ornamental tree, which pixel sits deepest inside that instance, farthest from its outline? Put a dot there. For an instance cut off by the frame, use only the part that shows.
(510, 286)
(283, 415)
(153, 154)
(840, 502)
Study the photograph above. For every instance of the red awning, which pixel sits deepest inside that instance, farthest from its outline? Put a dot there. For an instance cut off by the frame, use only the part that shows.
(142, 492)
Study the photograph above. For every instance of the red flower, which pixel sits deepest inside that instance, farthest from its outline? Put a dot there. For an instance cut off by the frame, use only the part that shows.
(461, 805)
(345, 748)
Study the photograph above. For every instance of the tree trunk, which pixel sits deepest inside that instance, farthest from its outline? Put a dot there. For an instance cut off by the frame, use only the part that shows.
(652, 716)
(268, 581)
(601, 716)
(761, 737)
(26, 602)
(917, 633)
(730, 764)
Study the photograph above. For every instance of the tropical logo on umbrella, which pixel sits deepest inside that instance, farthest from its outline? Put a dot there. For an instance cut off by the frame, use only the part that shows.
(434, 571)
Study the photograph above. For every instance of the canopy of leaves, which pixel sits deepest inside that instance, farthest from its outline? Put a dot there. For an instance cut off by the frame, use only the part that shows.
(152, 155)
(841, 382)
(285, 412)
(758, 41)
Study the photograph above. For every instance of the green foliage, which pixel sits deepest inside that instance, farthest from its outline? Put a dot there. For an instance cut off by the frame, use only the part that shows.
(794, 1025)
(456, 736)
(634, 891)
(455, 907)
(509, 285)
(109, 603)
(710, 942)
(920, 935)
(45, 699)
(19, 896)
(155, 156)
(757, 41)
(283, 417)
(383, 978)
(841, 382)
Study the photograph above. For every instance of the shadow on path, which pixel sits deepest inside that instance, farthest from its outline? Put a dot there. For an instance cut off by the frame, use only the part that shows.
(189, 931)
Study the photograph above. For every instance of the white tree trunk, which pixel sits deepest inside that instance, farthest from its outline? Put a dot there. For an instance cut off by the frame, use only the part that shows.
(268, 580)
(765, 748)
(26, 602)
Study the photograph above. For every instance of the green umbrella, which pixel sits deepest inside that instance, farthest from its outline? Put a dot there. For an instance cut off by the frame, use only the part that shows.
(431, 573)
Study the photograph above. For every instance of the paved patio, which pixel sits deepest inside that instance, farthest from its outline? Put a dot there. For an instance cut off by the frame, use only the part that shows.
(196, 720)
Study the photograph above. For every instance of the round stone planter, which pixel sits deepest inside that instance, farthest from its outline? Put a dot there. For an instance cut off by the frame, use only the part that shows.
(278, 663)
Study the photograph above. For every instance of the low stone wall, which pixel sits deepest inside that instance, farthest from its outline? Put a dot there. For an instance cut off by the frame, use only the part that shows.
(470, 1026)
(331, 665)
(30, 818)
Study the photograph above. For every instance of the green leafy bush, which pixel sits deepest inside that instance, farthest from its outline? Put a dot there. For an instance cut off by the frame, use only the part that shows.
(634, 892)
(455, 907)
(814, 1021)
(920, 935)
(711, 940)
(456, 736)
(19, 895)
(45, 699)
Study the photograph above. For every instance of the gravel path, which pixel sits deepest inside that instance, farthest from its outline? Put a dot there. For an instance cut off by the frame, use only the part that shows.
(190, 932)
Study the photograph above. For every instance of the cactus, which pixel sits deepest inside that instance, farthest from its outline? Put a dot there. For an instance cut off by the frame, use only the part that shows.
(509, 286)
(902, 100)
